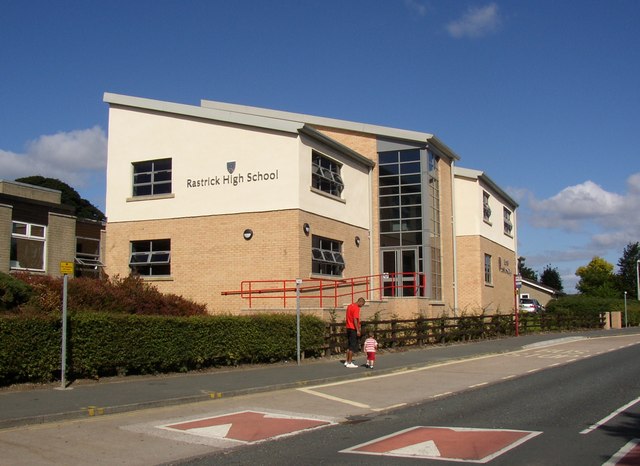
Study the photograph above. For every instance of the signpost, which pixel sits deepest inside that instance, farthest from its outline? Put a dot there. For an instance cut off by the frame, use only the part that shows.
(298, 283)
(66, 269)
(517, 279)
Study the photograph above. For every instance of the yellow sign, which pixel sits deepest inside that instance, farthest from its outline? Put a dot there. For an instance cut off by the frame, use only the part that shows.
(66, 268)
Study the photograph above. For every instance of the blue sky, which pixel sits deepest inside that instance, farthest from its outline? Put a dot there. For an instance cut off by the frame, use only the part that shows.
(543, 96)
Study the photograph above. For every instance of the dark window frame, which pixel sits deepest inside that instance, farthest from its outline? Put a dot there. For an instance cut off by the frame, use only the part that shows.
(326, 175)
(150, 258)
(326, 257)
(152, 177)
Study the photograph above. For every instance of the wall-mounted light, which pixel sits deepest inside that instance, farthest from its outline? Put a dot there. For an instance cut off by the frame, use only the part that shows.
(357, 241)
(247, 234)
(306, 228)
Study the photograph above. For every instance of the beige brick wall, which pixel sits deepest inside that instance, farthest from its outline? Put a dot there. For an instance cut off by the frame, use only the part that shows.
(209, 254)
(61, 242)
(5, 237)
(473, 294)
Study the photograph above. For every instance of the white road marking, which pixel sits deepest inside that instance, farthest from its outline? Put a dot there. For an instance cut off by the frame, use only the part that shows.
(609, 417)
(334, 398)
(620, 454)
(478, 385)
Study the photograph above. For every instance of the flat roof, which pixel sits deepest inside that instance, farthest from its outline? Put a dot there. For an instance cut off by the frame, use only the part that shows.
(385, 131)
(243, 119)
(273, 119)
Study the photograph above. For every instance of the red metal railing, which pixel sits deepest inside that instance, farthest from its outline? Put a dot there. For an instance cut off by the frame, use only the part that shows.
(328, 292)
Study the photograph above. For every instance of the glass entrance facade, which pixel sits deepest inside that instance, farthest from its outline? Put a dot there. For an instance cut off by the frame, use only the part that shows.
(409, 199)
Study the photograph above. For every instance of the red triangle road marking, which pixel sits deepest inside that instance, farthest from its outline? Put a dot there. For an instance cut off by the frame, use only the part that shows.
(248, 426)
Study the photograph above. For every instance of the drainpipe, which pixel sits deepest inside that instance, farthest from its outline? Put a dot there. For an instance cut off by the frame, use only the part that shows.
(455, 239)
(371, 255)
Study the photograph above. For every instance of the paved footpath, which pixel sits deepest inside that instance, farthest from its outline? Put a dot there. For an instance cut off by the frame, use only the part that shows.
(21, 406)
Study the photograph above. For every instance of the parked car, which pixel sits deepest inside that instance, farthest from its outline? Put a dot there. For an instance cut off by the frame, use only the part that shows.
(530, 305)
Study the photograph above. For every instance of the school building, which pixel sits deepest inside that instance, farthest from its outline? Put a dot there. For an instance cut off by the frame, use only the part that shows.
(252, 209)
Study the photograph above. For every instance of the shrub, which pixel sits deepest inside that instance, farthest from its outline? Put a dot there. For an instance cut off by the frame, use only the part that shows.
(129, 295)
(13, 292)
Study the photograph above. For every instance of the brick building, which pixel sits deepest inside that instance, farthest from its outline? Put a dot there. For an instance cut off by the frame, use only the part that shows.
(39, 232)
(206, 201)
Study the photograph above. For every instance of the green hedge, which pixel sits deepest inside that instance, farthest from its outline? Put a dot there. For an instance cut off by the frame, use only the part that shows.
(581, 305)
(102, 344)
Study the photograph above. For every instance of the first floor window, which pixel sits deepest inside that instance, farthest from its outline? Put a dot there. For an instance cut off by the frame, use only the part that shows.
(326, 175)
(151, 257)
(327, 257)
(27, 246)
(152, 177)
(486, 209)
(487, 269)
(508, 226)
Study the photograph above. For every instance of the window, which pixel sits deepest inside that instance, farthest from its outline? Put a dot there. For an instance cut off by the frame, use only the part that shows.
(87, 257)
(400, 194)
(488, 279)
(326, 175)
(152, 177)
(27, 246)
(486, 210)
(326, 257)
(151, 258)
(508, 226)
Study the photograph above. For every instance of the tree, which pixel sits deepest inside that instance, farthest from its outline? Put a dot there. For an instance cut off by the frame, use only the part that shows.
(551, 277)
(597, 279)
(70, 196)
(627, 270)
(525, 271)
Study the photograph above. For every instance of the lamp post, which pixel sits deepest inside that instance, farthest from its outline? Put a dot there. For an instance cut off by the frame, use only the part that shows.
(626, 322)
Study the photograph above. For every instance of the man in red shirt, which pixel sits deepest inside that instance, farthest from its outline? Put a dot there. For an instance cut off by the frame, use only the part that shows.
(353, 330)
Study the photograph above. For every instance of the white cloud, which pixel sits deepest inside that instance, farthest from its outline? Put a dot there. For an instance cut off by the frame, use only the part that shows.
(599, 222)
(414, 5)
(476, 22)
(575, 206)
(73, 157)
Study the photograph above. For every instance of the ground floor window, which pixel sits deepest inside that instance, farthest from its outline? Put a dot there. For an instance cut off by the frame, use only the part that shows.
(151, 257)
(28, 246)
(488, 279)
(326, 256)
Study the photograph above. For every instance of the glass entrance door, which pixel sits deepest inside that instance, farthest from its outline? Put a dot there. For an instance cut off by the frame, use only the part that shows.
(399, 272)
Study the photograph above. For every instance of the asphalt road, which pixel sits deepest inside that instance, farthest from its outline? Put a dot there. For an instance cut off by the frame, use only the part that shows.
(556, 404)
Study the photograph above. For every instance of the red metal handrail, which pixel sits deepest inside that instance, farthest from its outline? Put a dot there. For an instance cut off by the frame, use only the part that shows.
(323, 289)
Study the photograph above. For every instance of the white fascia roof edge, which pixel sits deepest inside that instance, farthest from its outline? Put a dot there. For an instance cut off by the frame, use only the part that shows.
(539, 286)
(477, 174)
(385, 131)
(201, 112)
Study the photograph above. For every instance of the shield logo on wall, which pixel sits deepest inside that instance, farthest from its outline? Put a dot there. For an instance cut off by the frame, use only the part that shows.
(231, 167)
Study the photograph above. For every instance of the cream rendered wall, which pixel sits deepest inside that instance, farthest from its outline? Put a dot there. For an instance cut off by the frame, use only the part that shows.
(468, 202)
(469, 213)
(354, 206)
(200, 151)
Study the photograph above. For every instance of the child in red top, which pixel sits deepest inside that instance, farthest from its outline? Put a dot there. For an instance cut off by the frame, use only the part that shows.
(370, 347)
